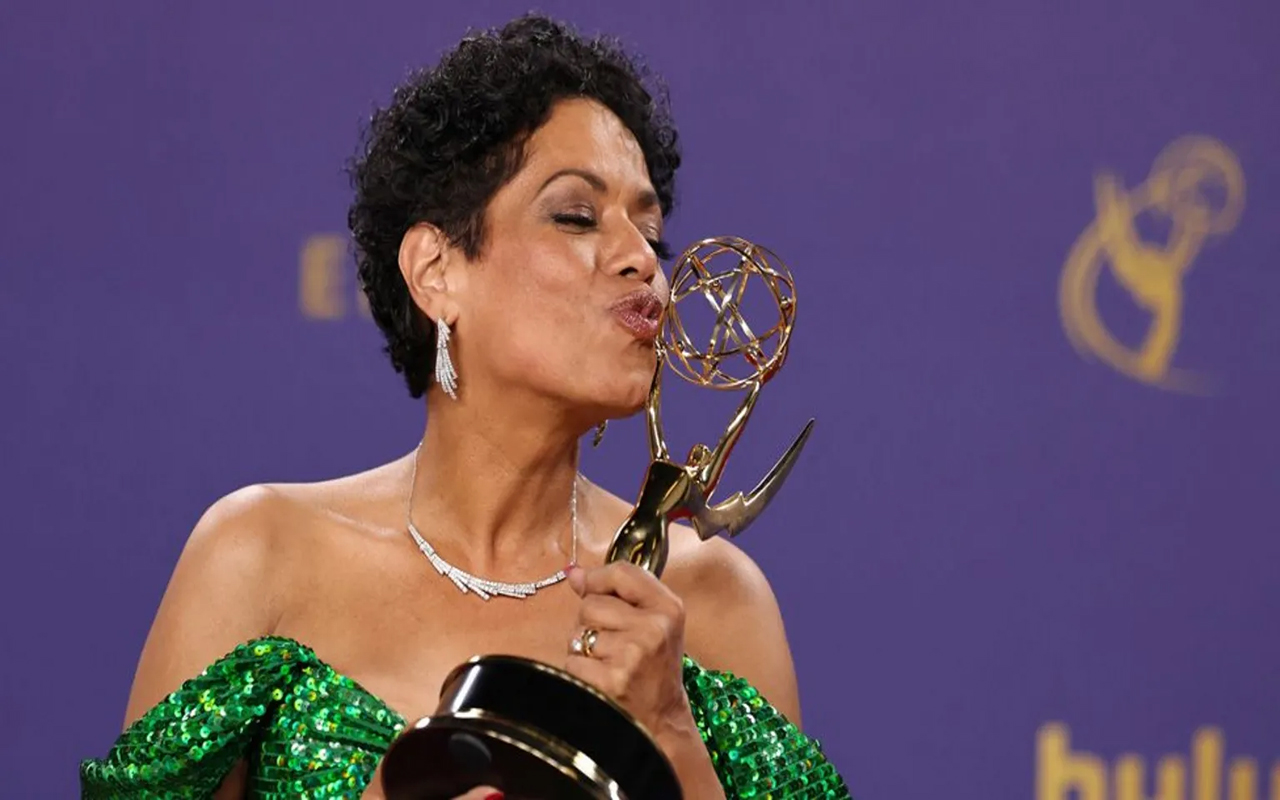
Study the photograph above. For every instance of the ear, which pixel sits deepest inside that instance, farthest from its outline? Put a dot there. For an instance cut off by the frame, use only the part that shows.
(425, 260)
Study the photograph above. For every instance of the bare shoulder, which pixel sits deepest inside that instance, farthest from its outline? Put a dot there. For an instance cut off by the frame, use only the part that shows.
(228, 587)
(733, 622)
(716, 571)
(236, 537)
(236, 576)
(221, 592)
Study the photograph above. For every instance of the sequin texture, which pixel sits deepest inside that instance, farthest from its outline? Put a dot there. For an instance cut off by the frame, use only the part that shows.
(311, 732)
(757, 752)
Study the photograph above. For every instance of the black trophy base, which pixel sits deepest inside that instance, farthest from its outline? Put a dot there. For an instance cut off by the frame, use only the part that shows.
(531, 731)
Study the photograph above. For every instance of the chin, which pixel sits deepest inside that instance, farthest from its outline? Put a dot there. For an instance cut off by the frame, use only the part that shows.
(618, 386)
(626, 394)
(619, 406)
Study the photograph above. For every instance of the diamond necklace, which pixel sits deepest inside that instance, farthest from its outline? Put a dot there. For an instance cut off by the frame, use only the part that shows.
(483, 587)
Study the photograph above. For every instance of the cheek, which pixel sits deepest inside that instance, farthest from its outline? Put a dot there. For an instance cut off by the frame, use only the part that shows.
(555, 301)
(661, 283)
(536, 310)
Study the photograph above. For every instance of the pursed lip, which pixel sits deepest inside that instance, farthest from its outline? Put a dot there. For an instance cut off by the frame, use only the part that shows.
(640, 312)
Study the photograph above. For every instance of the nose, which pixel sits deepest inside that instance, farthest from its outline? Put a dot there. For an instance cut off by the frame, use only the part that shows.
(633, 257)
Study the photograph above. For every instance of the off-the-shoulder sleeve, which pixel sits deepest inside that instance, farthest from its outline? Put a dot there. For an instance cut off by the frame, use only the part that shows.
(756, 751)
(184, 746)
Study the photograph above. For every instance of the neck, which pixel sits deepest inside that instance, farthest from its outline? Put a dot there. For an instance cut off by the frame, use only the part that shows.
(493, 490)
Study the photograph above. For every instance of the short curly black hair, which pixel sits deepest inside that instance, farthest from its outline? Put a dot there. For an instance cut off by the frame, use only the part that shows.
(455, 133)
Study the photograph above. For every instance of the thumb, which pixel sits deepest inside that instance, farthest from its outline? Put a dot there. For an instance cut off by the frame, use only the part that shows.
(577, 579)
(481, 793)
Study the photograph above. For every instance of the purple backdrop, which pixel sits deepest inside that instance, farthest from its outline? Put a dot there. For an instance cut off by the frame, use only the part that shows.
(997, 539)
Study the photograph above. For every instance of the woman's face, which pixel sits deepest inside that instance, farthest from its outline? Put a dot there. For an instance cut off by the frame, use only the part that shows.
(565, 298)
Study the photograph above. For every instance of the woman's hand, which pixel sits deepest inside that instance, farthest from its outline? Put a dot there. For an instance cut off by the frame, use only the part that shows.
(636, 657)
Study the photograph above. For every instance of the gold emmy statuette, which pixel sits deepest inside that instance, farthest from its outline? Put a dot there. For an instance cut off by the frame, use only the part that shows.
(673, 490)
(531, 729)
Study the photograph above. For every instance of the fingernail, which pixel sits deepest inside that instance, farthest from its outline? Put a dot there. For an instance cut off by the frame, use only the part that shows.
(493, 796)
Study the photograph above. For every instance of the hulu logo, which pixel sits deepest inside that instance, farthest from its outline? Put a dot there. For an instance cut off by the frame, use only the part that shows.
(1065, 775)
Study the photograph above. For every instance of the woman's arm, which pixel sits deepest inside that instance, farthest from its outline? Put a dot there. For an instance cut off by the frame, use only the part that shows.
(734, 623)
(224, 591)
(742, 683)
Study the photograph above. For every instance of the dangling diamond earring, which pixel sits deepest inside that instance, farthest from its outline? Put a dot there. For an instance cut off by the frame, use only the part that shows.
(599, 433)
(446, 375)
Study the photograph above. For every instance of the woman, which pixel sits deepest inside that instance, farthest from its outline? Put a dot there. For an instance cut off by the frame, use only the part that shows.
(508, 222)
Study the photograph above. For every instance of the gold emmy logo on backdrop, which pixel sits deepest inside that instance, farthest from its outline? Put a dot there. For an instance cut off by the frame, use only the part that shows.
(325, 277)
(1196, 187)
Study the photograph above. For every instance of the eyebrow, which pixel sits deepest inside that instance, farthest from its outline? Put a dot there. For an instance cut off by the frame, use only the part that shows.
(648, 198)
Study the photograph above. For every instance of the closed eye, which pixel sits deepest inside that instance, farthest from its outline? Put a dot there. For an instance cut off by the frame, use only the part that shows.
(661, 248)
(576, 220)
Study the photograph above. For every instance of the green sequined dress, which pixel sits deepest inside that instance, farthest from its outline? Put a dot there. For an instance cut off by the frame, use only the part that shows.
(311, 732)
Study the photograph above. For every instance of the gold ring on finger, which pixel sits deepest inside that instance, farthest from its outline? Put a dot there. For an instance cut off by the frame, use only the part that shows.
(589, 638)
